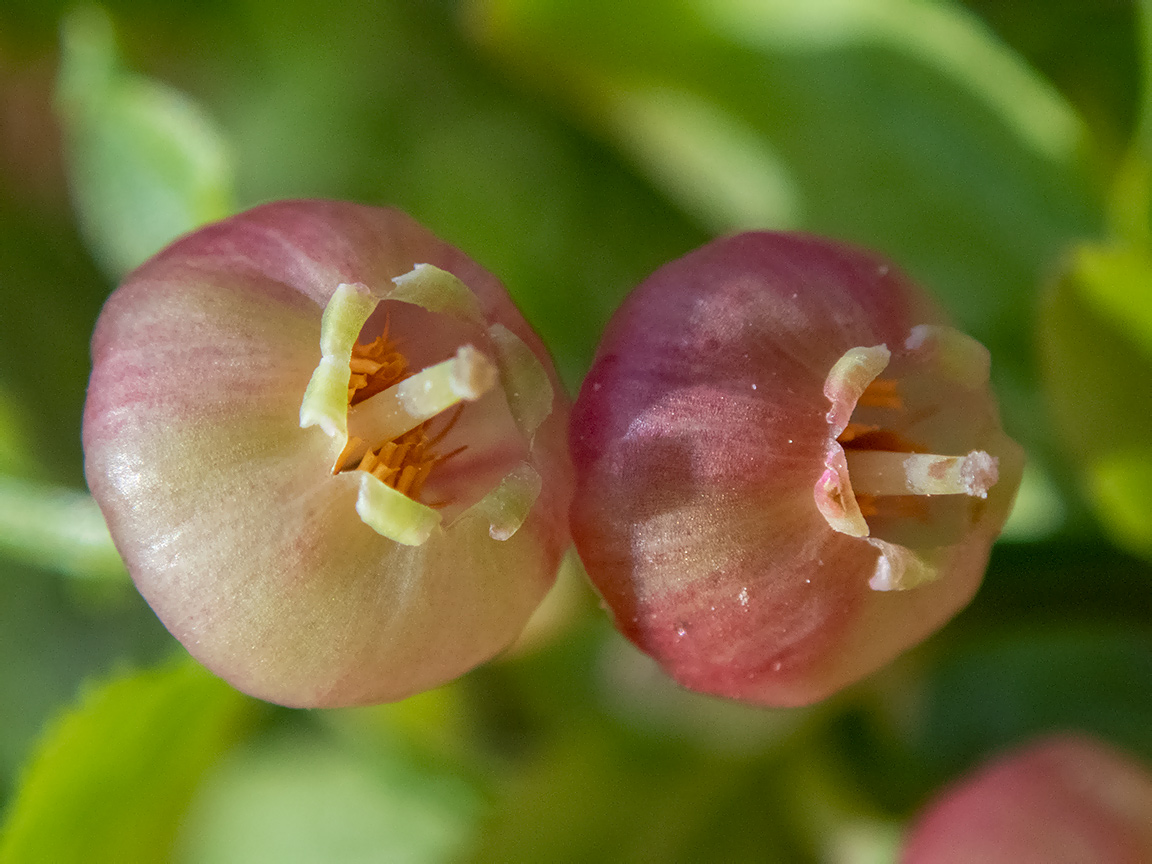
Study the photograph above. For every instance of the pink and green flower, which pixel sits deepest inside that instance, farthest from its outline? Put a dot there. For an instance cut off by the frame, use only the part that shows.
(330, 450)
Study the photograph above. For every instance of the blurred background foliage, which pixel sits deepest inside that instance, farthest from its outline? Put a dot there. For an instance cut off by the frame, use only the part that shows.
(1001, 152)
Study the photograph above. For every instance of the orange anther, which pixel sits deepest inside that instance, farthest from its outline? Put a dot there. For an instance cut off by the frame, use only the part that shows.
(855, 430)
(406, 462)
(882, 393)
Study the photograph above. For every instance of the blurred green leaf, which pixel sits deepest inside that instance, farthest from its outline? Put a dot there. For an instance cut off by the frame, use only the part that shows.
(594, 796)
(54, 636)
(607, 759)
(51, 294)
(1130, 206)
(384, 103)
(15, 447)
(297, 798)
(1038, 511)
(1003, 688)
(1119, 488)
(640, 695)
(57, 529)
(1088, 50)
(1096, 342)
(111, 778)
(1143, 136)
(145, 163)
(1056, 639)
(434, 724)
(1059, 584)
(902, 125)
(719, 168)
(1115, 283)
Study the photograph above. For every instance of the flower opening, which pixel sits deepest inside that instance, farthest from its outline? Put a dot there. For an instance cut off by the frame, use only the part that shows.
(888, 415)
(381, 416)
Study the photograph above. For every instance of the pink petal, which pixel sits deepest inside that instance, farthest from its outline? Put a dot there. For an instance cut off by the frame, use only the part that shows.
(1064, 800)
(699, 437)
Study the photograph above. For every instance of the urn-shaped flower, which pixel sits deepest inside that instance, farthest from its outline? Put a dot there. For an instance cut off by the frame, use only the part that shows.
(1066, 799)
(789, 467)
(330, 451)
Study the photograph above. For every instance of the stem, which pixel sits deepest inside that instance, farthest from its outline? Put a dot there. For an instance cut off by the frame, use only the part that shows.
(882, 472)
(404, 406)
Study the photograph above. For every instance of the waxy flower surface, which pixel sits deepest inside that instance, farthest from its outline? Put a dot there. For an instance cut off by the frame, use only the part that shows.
(330, 450)
(789, 467)
(1064, 800)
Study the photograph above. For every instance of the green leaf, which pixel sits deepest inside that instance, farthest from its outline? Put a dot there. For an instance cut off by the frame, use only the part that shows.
(1143, 142)
(57, 529)
(1038, 511)
(1041, 585)
(51, 293)
(298, 798)
(1001, 689)
(145, 163)
(1119, 487)
(436, 726)
(111, 779)
(591, 795)
(384, 103)
(55, 635)
(1114, 282)
(1096, 342)
(903, 125)
(15, 446)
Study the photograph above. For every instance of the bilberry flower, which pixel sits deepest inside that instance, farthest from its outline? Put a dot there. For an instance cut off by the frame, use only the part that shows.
(330, 451)
(1066, 799)
(789, 467)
